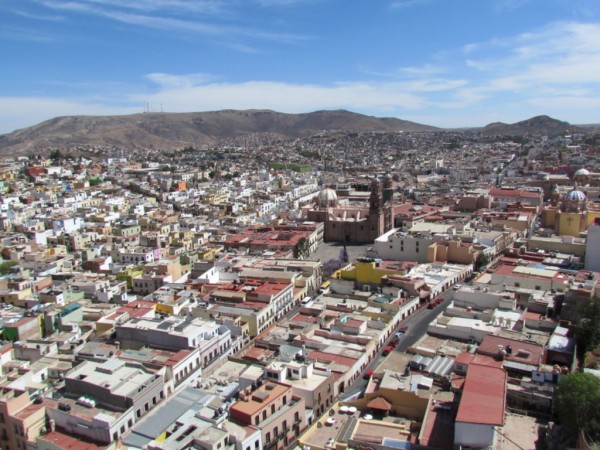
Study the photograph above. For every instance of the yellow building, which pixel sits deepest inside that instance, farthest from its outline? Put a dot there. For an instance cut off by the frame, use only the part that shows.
(128, 274)
(370, 271)
(571, 214)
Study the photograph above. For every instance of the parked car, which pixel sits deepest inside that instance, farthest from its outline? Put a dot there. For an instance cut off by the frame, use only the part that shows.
(439, 300)
(403, 329)
(389, 349)
(307, 301)
(367, 374)
(395, 341)
(456, 287)
(430, 305)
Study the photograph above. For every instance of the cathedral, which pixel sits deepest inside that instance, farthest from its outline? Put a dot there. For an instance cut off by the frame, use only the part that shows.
(353, 221)
(570, 213)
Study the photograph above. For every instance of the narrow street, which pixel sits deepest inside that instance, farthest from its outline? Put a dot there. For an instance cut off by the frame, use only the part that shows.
(417, 327)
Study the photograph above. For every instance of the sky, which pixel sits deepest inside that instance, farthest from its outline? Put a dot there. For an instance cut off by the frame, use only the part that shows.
(447, 63)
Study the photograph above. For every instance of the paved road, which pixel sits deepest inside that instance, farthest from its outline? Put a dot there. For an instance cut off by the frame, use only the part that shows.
(417, 327)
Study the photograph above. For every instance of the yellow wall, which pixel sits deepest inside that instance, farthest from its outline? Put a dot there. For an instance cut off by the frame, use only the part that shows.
(548, 218)
(366, 273)
(209, 254)
(129, 274)
(165, 308)
(569, 224)
(591, 217)
(404, 403)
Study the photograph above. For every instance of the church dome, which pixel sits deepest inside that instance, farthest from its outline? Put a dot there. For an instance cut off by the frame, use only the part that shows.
(327, 197)
(576, 195)
(582, 173)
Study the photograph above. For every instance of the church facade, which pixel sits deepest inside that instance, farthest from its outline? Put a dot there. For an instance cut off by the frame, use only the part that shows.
(354, 222)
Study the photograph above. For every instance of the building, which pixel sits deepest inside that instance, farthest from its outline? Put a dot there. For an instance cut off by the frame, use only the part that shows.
(481, 407)
(21, 419)
(570, 214)
(355, 222)
(274, 409)
(178, 333)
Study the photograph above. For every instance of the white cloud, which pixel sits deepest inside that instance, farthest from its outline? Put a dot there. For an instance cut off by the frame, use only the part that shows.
(212, 18)
(286, 97)
(560, 57)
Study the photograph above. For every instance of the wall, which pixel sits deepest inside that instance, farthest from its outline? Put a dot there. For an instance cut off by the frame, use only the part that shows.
(474, 435)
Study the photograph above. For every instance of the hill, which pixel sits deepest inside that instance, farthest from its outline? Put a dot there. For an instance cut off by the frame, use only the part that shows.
(177, 130)
(538, 125)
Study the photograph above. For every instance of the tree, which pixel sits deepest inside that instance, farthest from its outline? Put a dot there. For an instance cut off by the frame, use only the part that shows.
(331, 266)
(587, 324)
(56, 154)
(344, 255)
(482, 260)
(576, 404)
(302, 249)
(6, 265)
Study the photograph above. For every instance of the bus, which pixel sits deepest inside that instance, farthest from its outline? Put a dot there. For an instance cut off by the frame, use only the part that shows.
(325, 287)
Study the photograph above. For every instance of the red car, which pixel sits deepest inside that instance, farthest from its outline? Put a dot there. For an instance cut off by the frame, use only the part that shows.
(439, 300)
(395, 341)
(388, 350)
(367, 374)
(430, 305)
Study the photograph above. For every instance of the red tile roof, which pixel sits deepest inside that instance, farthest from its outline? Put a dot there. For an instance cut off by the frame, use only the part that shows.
(484, 396)
(64, 441)
(380, 403)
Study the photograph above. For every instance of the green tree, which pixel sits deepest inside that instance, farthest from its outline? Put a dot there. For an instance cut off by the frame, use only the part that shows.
(302, 249)
(56, 154)
(576, 404)
(482, 260)
(587, 325)
(6, 265)
(95, 181)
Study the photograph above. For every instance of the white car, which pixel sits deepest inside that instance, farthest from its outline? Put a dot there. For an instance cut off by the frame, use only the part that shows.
(307, 301)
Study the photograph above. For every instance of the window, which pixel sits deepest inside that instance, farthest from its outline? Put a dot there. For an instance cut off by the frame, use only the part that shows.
(285, 400)
(269, 437)
(256, 419)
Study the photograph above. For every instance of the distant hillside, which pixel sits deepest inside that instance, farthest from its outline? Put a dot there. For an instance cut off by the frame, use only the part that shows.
(539, 125)
(177, 130)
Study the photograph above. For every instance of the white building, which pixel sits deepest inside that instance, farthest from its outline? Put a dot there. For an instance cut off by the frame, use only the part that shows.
(592, 248)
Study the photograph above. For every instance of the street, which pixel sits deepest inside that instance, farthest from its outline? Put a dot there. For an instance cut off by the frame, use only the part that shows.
(417, 327)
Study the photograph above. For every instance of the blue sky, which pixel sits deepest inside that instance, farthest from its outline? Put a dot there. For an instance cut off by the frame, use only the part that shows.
(448, 63)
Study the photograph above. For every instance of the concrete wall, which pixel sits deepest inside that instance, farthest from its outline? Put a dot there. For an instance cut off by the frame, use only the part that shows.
(473, 435)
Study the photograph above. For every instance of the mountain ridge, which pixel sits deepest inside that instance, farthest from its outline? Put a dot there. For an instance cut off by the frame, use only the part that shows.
(154, 130)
